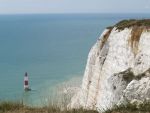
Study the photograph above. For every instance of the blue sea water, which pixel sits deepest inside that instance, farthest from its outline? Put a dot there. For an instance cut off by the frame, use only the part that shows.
(52, 48)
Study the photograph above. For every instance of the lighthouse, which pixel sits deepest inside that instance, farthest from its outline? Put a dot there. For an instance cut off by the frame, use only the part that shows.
(26, 82)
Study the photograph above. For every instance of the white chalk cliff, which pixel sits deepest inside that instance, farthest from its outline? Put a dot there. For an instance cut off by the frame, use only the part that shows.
(117, 70)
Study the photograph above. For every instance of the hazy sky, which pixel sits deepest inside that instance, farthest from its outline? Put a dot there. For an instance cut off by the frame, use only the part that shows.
(74, 6)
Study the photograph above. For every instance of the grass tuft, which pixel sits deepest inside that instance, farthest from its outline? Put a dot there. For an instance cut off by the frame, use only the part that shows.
(131, 108)
(16, 107)
(6, 106)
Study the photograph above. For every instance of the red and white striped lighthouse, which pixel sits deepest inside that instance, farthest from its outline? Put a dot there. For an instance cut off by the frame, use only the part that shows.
(26, 82)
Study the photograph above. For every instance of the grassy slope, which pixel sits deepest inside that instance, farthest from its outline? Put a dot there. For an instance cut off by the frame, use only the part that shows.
(131, 108)
(11, 107)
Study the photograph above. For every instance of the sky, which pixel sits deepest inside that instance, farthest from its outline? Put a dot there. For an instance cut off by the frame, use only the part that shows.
(74, 6)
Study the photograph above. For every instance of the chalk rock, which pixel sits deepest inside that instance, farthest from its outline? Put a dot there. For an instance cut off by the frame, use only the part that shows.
(117, 70)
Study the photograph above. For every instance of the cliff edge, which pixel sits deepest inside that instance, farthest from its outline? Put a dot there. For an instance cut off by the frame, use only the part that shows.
(118, 67)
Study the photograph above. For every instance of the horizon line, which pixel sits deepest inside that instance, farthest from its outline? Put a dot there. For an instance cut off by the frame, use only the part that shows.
(75, 13)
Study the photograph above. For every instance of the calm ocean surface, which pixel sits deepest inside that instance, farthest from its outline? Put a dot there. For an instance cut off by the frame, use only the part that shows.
(51, 48)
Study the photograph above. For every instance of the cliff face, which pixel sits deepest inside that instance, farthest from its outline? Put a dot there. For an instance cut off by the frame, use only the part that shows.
(117, 70)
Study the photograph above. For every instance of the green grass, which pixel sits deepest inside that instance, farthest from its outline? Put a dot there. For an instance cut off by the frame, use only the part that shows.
(132, 22)
(6, 106)
(131, 108)
(17, 107)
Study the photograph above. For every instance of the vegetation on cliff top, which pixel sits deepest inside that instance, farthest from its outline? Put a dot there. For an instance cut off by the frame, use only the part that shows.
(132, 22)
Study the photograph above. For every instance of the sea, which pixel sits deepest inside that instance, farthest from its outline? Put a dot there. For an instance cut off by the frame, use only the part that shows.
(51, 48)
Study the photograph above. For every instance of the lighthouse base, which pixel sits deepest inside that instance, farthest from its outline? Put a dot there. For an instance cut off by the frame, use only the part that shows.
(27, 89)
